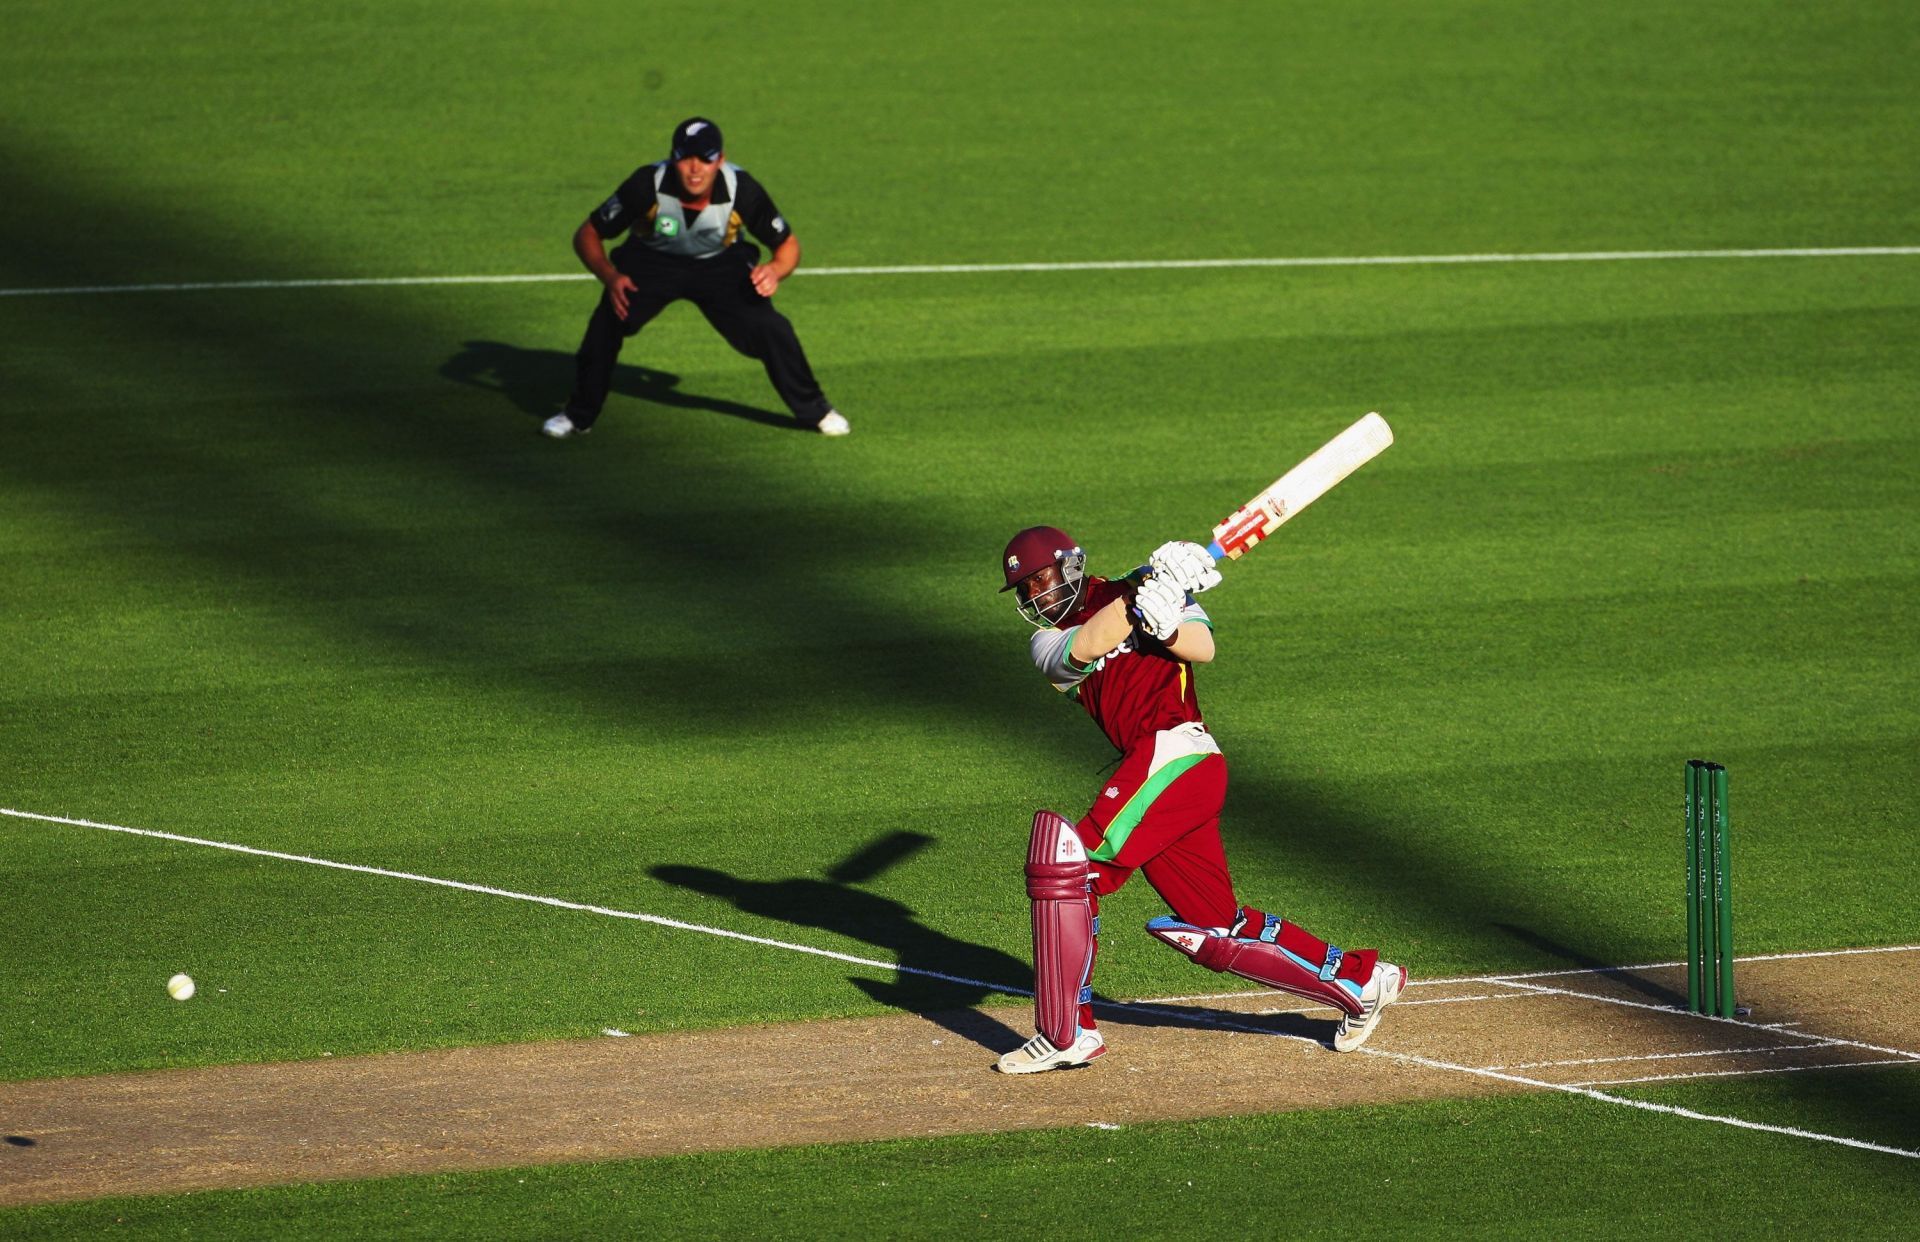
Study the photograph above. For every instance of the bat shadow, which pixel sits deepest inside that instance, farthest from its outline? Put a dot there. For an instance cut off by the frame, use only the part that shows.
(537, 381)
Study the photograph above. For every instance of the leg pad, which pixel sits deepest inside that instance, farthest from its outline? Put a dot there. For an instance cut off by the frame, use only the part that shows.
(1063, 926)
(1263, 960)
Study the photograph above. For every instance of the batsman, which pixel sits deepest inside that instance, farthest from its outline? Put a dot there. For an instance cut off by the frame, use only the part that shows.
(1126, 649)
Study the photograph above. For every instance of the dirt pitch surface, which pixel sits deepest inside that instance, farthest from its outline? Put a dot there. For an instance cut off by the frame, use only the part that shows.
(910, 1076)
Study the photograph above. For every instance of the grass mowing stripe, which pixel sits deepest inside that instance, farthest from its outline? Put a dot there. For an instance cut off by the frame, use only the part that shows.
(557, 902)
(1092, 265)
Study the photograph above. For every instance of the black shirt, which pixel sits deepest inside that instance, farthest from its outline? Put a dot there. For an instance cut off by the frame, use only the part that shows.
(636, 203)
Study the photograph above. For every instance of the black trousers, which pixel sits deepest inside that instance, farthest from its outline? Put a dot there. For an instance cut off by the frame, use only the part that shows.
(722, 287)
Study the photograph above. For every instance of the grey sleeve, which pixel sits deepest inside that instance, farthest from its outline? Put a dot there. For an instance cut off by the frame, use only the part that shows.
(1050, 650)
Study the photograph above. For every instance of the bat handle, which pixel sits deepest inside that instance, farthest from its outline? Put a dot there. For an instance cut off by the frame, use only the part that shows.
(1216, 551)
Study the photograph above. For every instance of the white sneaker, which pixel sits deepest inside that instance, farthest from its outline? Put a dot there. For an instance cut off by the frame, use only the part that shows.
(1381, 990)
(1039, 1054)
(560, 427)
(834, 424)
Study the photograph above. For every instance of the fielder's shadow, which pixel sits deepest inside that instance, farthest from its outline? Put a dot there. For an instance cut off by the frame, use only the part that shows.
(537, 382)
(941, 978)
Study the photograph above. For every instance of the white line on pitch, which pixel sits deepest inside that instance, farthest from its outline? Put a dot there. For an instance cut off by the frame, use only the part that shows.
(1584, 970)
(1622, 1101)
(502, 892)
(1648, 1056)
(1644, 1105)
(1745, 1073)
(1406, 1004)
(1816, 1040)
(1201, 1019)
(1093, 265)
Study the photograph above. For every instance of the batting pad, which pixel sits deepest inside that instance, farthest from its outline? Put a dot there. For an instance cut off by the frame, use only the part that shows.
(1259, 960)
(1063, 927)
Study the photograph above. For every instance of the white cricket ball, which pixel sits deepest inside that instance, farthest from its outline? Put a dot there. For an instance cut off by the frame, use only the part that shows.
(180, 987)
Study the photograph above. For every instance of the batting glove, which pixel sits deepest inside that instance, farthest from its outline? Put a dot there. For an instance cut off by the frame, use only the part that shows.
(1160, 604)
(1187, 565)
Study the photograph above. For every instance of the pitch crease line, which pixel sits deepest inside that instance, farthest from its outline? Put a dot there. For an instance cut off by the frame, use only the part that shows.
(1092, 265)
(1566, 1088)
(1816, 1040)
(1748, 1073)
(1406, 1058)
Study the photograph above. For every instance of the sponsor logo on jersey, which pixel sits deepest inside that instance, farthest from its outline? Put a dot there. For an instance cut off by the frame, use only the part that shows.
(1113, 791)
(779, 224)
(667, 226)
(610, 210)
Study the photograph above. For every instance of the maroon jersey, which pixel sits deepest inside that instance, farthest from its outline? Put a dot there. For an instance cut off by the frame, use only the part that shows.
(1138, 688)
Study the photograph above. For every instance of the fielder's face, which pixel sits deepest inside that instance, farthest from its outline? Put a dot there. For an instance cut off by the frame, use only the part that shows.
(697, 174)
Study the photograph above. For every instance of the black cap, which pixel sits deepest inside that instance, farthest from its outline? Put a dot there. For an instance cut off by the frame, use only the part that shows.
(697, 136)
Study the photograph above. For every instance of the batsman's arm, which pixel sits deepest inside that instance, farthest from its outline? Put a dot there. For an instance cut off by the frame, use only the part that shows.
(1103, 631)
(1193, 642)
(1114, 624)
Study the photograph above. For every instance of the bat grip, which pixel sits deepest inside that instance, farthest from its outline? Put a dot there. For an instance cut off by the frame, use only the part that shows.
(1216, 551)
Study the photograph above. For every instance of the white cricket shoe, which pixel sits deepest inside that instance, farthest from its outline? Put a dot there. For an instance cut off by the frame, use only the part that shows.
(560, 427)
(1381, 990)
(833, 424)
(1039, 1054)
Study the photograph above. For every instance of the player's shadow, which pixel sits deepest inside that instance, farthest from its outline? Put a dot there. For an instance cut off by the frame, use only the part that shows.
(537, 382)
(940, 977)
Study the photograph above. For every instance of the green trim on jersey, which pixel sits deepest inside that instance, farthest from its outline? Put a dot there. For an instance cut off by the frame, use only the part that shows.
(1136, 808)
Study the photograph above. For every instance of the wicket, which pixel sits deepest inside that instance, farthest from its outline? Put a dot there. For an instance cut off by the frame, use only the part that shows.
(1709, 895)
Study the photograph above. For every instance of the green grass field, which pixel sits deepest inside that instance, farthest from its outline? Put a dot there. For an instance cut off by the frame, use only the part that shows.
(288, 567)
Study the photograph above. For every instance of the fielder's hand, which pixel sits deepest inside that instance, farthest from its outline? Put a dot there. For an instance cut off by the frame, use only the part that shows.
(1187, 565)
(1160, 604)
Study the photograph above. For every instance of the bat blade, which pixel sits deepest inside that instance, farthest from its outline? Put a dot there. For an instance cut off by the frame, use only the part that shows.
(1301, 486)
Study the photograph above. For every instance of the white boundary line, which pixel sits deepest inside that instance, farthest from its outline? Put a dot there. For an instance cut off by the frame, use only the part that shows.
(1402, 1057)
(556, 902)
(1099, 265)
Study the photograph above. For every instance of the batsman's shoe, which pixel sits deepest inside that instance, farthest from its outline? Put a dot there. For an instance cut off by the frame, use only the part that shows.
(833, 423)
(560, 426)
(1381, 990)
(1039, 1054)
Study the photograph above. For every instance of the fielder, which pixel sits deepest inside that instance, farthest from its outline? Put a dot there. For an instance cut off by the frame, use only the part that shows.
(1125, 649)
(685, 217)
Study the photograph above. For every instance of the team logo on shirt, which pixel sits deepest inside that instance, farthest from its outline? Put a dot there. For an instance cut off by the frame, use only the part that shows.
(610, 210)
(1113, 791)
(779, 224)
(667, 226)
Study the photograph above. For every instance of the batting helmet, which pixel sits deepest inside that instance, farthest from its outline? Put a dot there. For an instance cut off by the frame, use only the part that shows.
(1033, 550)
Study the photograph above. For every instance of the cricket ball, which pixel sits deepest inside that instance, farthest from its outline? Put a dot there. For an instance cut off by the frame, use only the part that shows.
(180, 987)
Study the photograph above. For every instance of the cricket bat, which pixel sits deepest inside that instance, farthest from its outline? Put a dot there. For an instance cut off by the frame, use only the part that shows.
(1300, 487)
